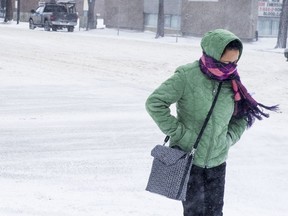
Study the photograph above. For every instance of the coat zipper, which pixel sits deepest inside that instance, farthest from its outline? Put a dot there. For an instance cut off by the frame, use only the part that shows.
(216, 84)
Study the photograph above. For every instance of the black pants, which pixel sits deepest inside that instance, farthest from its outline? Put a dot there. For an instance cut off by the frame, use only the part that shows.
(205, 195)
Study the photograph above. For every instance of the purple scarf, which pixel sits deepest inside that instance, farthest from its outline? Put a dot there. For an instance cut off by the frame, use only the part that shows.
(245, 105)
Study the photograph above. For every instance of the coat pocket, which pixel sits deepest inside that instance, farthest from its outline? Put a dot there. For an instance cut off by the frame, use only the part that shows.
(186, 141)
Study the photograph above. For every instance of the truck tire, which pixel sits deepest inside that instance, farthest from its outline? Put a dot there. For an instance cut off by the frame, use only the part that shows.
(46, 25)
(31, 24)
(70, 28)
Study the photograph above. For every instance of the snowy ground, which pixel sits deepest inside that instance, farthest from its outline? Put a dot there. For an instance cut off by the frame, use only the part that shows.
(75, 138)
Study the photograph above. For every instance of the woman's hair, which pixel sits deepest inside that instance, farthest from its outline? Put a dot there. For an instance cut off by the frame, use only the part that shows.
(233, 45)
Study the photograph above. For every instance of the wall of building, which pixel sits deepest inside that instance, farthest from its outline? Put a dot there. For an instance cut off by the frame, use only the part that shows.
(27, 5)
(124, 14)
(237, 16)
(191, 17)
(244, 15)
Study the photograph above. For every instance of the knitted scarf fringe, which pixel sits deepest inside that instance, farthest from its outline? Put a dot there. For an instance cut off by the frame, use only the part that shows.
(245, 106)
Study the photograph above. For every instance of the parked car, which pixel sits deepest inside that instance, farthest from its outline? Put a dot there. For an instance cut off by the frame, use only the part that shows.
(58, 15)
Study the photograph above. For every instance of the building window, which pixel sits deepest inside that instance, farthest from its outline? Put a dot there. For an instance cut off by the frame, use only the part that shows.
(268, 27)
(171, 21)
(268, 17)
(275, 27)
(151, 20)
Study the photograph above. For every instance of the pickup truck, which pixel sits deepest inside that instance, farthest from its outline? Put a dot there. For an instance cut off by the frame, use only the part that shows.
(58, 15)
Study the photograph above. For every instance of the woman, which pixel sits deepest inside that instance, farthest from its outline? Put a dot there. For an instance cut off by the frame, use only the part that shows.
(192, 88)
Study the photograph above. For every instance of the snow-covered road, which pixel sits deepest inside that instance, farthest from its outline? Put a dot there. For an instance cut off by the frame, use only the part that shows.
(75, 139)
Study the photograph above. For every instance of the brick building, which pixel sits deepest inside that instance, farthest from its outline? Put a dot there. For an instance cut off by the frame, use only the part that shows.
(124, 14)
(186, 17)
(195, 17)
(190, 17)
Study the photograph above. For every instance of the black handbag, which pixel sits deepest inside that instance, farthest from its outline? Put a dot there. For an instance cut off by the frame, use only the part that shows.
(171, 167)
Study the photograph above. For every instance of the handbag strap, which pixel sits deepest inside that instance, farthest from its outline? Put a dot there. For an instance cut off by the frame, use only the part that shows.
(204, 124)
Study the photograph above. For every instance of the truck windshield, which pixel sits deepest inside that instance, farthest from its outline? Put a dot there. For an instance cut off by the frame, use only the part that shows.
(55, 8)
(61, 9)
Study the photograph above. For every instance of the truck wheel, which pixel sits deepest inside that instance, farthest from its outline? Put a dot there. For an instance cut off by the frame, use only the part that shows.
(46, 26)
(54, 28)
(31, 24)
(70, 28)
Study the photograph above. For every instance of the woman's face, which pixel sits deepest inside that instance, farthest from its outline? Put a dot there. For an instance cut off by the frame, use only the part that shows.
(230, 56)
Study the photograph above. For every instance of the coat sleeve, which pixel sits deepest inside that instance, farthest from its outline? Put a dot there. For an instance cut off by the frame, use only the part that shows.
(236, 128)
(158, 106)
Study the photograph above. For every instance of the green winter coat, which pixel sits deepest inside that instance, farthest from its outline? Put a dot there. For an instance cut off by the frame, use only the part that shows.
(193, 93)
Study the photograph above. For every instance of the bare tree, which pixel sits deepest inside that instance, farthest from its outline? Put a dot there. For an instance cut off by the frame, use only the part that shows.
(161, 20)
(91, 19)
(283, 26)
(18, 11)
(2, 4)
(9, 11)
